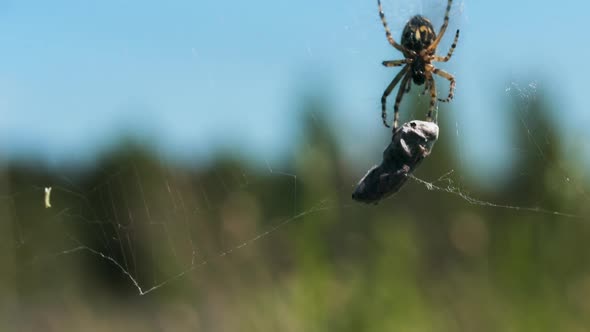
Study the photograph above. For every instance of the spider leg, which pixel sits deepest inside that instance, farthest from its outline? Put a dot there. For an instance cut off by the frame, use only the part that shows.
(387, 32)
(451, 79)
(446, 58)
(398, 100)
(394, 63)
(426, 87)
(409, 87)
(387, 92)
(432, 86)
(443, 28)
(397, 63)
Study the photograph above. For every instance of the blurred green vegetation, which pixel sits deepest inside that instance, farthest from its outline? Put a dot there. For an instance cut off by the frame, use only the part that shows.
(422, 260)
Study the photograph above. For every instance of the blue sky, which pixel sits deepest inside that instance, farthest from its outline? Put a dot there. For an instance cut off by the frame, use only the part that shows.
(199, 77)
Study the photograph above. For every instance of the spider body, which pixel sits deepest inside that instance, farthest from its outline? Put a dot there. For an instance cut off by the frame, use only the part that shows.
(418, 45)
(418, 34)
(418, 70)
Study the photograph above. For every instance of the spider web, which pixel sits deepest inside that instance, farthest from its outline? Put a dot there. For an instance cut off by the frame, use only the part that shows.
(152, 226)
(160, 230)
(165, 209)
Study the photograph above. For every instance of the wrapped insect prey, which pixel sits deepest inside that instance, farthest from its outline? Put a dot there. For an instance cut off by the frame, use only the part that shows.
(410, 144)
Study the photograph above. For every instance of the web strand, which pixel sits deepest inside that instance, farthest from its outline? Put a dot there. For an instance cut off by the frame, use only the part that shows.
(450, 189)
(194, 264)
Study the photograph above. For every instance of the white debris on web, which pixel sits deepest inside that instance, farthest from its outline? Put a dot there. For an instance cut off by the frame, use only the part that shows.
(47, 199)
(410, 144)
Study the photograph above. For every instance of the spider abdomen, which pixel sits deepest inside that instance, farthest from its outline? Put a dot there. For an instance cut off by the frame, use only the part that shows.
(418, 34)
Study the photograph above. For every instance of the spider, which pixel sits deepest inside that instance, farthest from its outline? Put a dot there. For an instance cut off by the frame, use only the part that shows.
(418, 45)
